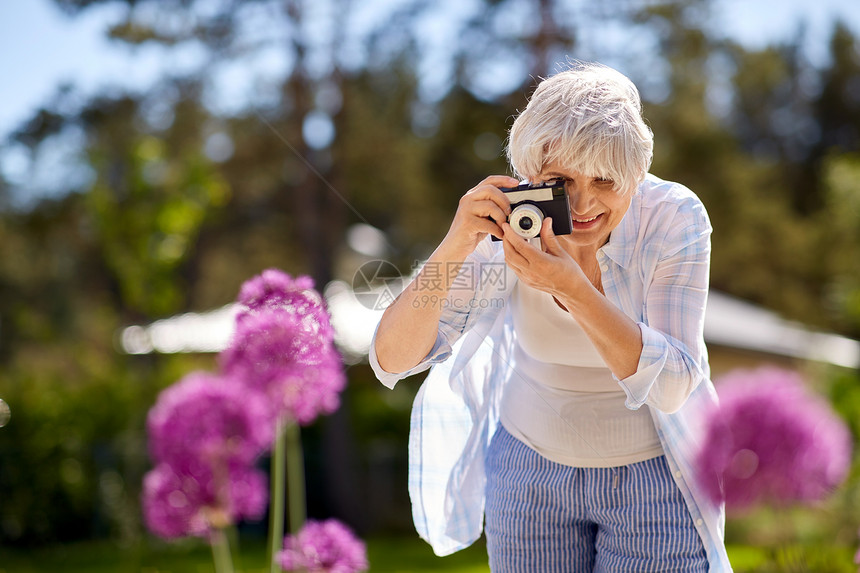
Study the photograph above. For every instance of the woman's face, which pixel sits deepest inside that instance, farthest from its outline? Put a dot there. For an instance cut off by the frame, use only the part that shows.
(596, 207)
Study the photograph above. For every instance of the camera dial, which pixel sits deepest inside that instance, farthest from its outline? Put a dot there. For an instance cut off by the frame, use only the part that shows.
(526, 220)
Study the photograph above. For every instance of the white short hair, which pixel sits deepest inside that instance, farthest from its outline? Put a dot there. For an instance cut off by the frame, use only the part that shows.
(588, 118)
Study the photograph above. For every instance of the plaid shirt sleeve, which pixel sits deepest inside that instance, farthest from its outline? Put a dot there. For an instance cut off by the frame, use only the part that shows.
(674, 359)
(478, 276)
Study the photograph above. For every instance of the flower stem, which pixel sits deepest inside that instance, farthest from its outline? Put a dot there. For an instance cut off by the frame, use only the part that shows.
(295, 477)
(276, 510)
(221, 551)
(288, 473)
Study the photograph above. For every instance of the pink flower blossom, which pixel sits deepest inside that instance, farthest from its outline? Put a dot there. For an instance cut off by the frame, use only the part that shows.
(205, 432)
(324, 547)
(276, 290)
(296, 368)
(771, 440)
(205, 421)
(273, 288)
(177, 505)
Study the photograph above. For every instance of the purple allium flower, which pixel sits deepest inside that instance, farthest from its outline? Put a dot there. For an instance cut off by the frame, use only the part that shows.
(273, 288)
(177, 505)
(172, 504)
(771, 440)
(324, 547)
(276, 290)
(298, 370)
(207, 421)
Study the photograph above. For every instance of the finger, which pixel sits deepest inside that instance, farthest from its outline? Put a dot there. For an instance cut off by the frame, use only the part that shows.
(490, 209)
(485, 190)
(511, 237)
(487, 225)
(512, 256)
(520, 265)
(515, 261)
(549, 240)
(497, 196)
(497, 182)
(517, 241)
(500, 181)
(520, 250)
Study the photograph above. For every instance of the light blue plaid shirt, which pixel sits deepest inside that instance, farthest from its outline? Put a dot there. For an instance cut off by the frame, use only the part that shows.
(655, 268)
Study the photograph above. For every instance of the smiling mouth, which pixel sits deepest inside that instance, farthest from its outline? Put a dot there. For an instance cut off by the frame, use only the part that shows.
(584, 221)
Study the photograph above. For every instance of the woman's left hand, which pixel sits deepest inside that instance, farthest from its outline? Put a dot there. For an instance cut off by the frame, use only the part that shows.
(551, 270)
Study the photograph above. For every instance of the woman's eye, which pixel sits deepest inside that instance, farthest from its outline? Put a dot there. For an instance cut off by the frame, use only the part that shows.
(547, 180)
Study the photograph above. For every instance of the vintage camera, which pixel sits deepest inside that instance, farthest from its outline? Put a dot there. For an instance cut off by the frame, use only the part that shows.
(531, 204)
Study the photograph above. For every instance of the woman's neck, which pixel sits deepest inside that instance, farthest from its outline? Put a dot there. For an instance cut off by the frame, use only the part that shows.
(582, 254)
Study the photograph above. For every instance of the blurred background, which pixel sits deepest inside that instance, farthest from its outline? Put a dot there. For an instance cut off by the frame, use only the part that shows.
(154, 154)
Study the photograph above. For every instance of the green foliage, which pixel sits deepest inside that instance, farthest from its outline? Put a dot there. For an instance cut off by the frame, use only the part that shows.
(841, 223)
(821, 559)
(385, 554)
(74, 450)
(147, 222)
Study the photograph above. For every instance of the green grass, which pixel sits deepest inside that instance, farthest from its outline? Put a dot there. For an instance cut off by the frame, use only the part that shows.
(402, 555)
(412, 554)
(387, 555)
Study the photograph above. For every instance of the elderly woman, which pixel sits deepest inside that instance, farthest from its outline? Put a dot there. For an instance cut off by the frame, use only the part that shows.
(568, 369)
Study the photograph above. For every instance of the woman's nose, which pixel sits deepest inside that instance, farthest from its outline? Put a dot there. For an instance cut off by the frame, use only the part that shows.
(580, 201)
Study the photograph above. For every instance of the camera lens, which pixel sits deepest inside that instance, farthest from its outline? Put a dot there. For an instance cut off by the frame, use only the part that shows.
(526, 220)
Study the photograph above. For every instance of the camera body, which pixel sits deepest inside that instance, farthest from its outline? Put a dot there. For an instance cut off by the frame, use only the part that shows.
(531, 204)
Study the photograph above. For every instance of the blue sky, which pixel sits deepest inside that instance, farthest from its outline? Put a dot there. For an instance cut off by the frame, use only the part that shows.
(41, 48)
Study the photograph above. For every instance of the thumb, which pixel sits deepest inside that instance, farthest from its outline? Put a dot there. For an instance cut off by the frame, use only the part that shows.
(548, 238)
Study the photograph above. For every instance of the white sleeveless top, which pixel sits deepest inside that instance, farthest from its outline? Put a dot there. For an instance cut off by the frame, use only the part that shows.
(561, 399)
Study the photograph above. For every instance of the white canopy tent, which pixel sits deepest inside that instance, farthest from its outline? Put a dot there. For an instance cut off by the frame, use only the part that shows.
(729, 322)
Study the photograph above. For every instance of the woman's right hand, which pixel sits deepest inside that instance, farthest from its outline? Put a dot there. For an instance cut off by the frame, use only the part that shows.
(410, 325)
(482, 210)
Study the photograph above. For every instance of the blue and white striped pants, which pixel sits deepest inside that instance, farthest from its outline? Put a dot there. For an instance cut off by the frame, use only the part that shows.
(545, 517)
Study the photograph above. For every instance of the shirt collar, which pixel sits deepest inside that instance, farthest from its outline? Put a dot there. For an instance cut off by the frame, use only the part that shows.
(622, 240)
